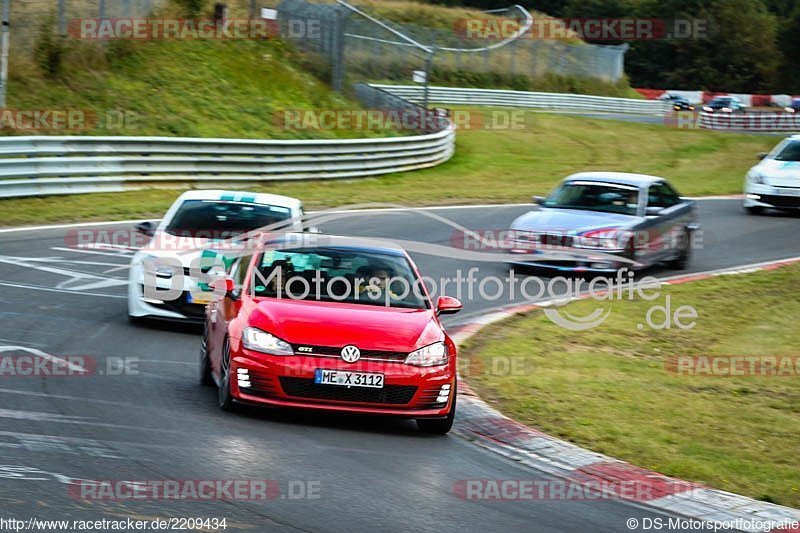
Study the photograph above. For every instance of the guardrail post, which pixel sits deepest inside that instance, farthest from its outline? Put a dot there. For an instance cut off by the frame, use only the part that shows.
(337, 50)
(4, 42)
(62, 17)
(428, 64)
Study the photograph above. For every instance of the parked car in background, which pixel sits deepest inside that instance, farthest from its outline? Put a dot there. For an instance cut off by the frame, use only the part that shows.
(724, 104)
(794, 106)
(679, 103)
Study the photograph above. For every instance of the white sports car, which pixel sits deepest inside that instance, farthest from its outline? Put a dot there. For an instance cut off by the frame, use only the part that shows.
(167, 275)
(775, 181)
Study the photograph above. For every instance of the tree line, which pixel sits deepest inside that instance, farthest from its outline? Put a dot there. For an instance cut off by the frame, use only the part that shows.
(751, 46)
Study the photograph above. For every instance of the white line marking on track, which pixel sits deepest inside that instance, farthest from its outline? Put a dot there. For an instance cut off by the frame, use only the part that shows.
(24, 343)
(101, 424)
(93, 252)
(73, 275)
(67, 397)
(38, 416)
(63, 291)
(109, 246)
(77, 225)
(46, 356)
(82, 262)
(166, 362)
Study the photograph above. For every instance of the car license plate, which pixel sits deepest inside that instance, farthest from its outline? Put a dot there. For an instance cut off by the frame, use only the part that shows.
(348, 379)
(789, 192)
(200, 297)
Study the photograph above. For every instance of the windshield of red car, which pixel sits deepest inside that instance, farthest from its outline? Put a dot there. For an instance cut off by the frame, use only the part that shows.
(588, 196)
(338, 274)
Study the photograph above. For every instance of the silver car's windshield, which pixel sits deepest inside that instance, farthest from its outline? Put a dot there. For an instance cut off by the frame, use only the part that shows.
(589, 196)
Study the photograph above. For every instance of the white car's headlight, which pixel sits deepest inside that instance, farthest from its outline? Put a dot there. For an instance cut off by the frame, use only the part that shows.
(261, 341)
(158, 266)
(757, 178)
(431, 355)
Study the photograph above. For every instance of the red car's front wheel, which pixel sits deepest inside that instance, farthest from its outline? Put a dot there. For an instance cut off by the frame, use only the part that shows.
(205, 362)
(225, 398)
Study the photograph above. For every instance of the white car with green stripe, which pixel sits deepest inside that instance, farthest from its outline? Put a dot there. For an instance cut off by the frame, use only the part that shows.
(168, 276)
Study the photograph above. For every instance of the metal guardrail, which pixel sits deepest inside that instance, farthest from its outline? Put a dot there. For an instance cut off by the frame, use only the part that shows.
(751, 121)
(503, 98)
(44, 165)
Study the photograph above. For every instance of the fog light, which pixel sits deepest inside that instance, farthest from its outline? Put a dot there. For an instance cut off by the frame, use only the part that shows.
(444, 394)
(243, 377)
(753, 196)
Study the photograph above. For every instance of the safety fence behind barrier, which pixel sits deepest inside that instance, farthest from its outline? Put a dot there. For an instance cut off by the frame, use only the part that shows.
(554, 101)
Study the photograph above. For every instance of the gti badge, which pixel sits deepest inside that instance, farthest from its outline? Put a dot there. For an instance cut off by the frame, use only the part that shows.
(350, 354)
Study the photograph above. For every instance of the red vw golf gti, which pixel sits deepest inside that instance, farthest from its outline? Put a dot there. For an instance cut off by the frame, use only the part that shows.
(331, 323)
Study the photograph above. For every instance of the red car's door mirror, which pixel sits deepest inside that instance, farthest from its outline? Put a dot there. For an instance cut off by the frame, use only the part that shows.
(447, 305)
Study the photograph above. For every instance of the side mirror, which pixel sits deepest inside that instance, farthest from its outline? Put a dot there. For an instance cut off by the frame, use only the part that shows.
(146, 228)
(225, 284)
(447, 305)
(653, 211)
(762, 155)
(539, 200)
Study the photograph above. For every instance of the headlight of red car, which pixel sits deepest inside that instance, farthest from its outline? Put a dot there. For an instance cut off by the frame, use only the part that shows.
(431, 355)
(261, 341)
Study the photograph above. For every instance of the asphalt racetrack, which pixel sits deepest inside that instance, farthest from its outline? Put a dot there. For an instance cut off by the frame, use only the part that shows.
(363, 473)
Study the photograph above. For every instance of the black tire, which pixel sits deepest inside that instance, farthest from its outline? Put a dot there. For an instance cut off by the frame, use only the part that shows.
(225, 398)
(754, 210)
(439, 426)
(205, 363)
(682, 260)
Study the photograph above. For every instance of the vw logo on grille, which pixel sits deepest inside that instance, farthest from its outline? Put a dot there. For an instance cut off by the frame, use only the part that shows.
(351, 354)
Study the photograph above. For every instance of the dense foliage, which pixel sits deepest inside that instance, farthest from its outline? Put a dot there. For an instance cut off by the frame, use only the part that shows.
(753, 45)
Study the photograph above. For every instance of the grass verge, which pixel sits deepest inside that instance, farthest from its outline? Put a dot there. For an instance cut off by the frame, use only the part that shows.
(490, 165)
(192, 88)
(608, 388)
